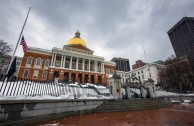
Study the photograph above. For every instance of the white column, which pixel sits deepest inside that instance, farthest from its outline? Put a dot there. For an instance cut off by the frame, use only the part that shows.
(52, 59)
(64, 61)
(61, 61)
(101, 67)
(70, 65)
(95, 66)
(83, 64)
(77, 63)
(89, 65)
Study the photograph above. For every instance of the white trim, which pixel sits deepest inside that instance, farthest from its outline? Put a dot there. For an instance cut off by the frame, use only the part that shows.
(76, 70)
(75, 54)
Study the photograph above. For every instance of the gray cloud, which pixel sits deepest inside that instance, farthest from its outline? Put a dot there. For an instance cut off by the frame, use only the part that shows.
(110, 28)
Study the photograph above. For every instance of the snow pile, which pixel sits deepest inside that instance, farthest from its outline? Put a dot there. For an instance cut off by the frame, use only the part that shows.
(164, 93)
(175, 101)
(41, 97)
(187, 101)
(87, 97)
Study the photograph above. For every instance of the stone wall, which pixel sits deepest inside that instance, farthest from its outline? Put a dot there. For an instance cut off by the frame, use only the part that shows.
(16, 110)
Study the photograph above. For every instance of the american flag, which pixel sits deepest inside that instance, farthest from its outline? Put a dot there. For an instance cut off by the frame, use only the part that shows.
(23, 43)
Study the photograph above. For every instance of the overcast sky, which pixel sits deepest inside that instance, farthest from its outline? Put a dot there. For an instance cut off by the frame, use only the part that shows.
(111, 28)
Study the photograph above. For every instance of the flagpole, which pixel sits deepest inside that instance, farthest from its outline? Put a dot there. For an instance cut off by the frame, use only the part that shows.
(18, 41)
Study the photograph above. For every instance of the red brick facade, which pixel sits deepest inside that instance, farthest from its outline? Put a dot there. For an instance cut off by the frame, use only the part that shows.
(77, 76)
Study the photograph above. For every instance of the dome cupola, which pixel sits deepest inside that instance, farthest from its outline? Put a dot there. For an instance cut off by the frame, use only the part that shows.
(76, 40)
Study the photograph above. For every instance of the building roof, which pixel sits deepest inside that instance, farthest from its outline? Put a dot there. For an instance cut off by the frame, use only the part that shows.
(110, 63)
(119, 58)
(179, 22)
(77, 40)
(39, 50)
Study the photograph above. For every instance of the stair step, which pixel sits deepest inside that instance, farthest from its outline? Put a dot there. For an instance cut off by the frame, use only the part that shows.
(130, 105)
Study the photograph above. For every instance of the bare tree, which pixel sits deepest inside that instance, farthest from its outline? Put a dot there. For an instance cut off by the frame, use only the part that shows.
(5, 48)
(178, 74)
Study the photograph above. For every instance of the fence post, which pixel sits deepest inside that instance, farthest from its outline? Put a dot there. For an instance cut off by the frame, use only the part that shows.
(30, 88)
(14, 85)
(6, 85)
(11, 79)
(41, 88)
(55, 88)
(52, 88)
(25, 87)
(33, 89)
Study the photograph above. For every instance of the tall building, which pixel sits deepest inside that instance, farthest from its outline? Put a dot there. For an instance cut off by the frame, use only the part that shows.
(74, 62)
(182, 37)
(122, 64)
(122, 68)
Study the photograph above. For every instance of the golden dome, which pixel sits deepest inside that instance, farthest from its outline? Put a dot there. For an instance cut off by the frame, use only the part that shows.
(76, 40)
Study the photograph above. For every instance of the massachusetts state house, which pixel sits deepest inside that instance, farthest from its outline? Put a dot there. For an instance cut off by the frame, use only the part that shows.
(74, 62)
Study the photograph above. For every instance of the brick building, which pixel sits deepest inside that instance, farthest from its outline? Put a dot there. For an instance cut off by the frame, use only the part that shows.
(138, 64)
(75, 62)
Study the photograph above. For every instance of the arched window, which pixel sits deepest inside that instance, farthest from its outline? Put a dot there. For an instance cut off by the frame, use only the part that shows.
(29, 61)
(46, 64)
(38, 62)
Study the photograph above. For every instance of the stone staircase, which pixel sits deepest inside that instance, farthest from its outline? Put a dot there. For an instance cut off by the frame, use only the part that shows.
(131, 105)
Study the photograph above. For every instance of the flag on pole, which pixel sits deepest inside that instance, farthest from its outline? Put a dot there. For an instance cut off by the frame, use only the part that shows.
(12, 68)
(23, 43)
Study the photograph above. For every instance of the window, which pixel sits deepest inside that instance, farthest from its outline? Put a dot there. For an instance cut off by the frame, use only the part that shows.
(35, 74)
(29, 61)
(26, 73)
(86, 66)
(44, 75)
(113, 71)
(107, 70)
(46, 63)
(18, 63)
(38, 62)
(67, 64)
(73, 65)
(79, 66)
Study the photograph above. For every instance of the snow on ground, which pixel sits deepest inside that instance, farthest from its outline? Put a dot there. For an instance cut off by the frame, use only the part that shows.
(165, 93)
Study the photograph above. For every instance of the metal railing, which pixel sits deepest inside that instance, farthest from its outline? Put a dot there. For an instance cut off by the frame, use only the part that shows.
(16, 86)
